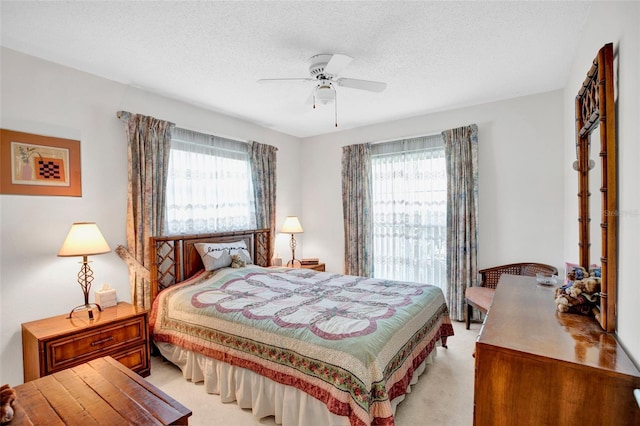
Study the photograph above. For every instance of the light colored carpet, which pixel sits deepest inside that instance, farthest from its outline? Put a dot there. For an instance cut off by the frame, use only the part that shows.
(442, 396)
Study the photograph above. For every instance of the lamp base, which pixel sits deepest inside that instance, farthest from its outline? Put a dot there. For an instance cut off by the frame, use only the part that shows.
(293, 262)
(86, 306)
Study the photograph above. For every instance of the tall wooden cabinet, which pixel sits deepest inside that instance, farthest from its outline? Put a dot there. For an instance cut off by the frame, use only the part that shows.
(536, 366)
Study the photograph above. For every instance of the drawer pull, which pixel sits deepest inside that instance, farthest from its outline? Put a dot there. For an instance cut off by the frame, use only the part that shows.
(101, 341)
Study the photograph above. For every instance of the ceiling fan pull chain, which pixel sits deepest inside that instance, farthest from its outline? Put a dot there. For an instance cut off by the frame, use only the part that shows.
(336, 108)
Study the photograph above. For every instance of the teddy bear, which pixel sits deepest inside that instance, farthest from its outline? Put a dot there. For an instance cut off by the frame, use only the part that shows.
(7, 399)
(580, 296)
(576, 273)
(237, 262)
(589, 287)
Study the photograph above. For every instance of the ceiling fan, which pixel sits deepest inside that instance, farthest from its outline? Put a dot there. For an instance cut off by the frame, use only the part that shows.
(324, 70)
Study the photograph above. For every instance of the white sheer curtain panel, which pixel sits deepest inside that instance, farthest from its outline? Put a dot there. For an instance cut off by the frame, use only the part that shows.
(209, 187)
(410, 210)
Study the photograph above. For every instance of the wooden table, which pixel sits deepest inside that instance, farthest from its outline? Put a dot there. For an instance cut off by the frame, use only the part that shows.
(100, 392)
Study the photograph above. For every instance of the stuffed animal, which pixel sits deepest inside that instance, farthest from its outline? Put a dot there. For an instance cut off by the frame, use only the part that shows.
(576, 273)
(580, 296)
(589, 287)
(237, 262)
(7, 399)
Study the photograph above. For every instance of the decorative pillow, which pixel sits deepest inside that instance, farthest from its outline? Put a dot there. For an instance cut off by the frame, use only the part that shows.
(240, 248)
(213, 256)
(218, 255)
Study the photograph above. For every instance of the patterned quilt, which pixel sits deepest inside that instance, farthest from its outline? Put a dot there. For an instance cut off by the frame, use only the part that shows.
(351, 342)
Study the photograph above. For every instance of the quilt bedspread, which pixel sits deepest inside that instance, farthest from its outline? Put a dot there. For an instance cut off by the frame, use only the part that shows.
(351, 342)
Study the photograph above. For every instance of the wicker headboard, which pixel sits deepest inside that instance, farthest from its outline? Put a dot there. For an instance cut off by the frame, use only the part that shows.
(175, 258)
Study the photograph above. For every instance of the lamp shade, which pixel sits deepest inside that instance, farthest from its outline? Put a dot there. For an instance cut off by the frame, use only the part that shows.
(84, 239)
(291, 225)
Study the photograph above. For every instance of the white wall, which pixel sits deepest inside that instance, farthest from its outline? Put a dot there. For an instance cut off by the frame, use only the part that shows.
(45, 98)
(618, 23)
(520, 143)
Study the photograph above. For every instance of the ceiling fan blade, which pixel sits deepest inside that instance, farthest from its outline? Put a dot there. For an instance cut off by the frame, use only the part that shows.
(372, 86)
(285, 80)
(337, 63)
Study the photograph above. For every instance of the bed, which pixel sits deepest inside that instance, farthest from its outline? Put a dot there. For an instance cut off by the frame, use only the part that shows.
(303, 346)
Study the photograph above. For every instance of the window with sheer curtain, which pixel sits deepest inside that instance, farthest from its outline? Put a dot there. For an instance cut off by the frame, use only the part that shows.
(409, 206)
(209, 186)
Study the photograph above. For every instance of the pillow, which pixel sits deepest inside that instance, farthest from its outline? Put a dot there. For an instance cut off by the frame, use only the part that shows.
(218, 255)
(240, 248)
(213, 257)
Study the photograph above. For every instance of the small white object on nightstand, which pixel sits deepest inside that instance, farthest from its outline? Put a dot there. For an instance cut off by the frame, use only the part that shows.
(106, 296)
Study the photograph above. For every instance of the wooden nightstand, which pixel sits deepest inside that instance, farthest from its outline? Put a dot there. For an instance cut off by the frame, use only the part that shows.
(319, 267)
(53, 344)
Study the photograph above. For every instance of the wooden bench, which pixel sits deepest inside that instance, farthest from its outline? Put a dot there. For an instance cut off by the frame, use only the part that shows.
(481, 296)
(100, 392)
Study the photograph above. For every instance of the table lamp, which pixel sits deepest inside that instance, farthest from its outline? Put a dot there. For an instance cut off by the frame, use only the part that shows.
(84, 239)
(292, 226)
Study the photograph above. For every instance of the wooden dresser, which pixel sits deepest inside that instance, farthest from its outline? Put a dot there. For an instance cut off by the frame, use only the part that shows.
(53, 344)
(535, 366)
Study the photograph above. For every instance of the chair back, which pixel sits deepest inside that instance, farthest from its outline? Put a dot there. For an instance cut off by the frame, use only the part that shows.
(490, 276)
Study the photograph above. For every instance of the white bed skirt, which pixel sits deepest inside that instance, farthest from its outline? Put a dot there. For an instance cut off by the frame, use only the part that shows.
(290, 406)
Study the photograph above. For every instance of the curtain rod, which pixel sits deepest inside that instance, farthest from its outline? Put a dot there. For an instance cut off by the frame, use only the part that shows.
(407, 137)
(124, 115)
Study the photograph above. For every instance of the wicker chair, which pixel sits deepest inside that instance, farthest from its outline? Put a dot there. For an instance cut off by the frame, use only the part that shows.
(481, 296)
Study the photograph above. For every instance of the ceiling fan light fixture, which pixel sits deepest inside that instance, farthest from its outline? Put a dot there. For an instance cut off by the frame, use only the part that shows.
(325, 93)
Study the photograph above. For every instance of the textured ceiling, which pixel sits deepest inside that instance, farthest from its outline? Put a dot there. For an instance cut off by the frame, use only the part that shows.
(432, 55)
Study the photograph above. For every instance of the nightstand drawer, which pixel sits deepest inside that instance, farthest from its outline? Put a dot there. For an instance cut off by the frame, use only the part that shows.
(76, 348)
(316, 267)
(134, 359)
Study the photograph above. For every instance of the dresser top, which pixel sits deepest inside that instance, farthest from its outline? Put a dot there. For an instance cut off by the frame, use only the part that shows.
(523, 318)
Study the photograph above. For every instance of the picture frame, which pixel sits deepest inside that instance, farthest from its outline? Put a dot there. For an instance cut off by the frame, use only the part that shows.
(33, 164)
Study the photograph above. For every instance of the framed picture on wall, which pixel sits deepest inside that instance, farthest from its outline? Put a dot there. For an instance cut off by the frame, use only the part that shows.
(39, 165)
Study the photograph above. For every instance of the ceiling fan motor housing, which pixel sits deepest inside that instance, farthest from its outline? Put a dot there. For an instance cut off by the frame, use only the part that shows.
(317, 64)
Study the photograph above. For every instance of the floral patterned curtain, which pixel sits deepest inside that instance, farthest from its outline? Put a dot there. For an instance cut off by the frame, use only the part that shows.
(461, 153)
(263, 171)
(356, 207)
(149, 144)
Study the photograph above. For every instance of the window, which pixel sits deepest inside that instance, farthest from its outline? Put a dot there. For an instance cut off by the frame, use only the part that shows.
(410, 210)
(209, 186)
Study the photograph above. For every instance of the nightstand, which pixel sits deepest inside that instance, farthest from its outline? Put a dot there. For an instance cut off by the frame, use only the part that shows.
(318, 267)
(53, 344)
